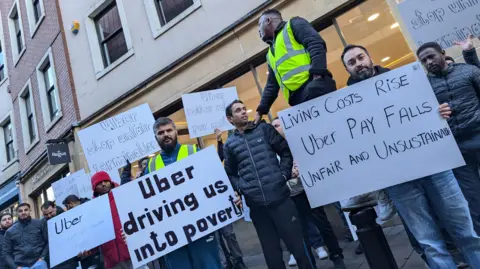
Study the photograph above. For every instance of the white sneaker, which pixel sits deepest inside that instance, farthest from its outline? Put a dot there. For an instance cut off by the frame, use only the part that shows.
(292, 262)
(386, 209)
(321, 253)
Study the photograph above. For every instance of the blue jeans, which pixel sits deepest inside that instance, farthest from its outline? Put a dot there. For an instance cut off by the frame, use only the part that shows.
(419, 201)
(314, 235)
(200, 254)
(38, 265)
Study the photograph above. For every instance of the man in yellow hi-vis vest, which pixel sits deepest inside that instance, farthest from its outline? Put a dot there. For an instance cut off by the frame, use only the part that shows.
(202, 253)
(297, 61)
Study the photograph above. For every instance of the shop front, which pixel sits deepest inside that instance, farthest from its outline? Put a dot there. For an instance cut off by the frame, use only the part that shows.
(10, 196)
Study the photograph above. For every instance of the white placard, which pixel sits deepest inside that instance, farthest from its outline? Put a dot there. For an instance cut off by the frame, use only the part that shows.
(205, 111)
(127, 136)
(77, 183)
(169, 208)
(441, 21)
(79, 229)
(345, 143)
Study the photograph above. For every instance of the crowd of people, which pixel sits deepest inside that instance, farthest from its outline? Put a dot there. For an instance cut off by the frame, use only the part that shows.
(440, 212)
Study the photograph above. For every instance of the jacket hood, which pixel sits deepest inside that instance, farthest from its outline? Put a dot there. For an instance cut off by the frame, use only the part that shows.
(100, 176)
(378, 70)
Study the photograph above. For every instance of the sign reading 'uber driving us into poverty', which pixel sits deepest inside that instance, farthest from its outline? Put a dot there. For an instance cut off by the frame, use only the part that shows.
(127, 136)
(176, 205)
(205, 111)
(378, 133)
(79, 229)
(441, 21)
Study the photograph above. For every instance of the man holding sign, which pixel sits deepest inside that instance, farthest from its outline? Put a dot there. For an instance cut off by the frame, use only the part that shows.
(418, 201)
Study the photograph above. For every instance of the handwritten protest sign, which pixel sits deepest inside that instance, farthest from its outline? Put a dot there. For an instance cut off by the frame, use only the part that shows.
(176, 205)
(374, 134)
(205, 111)
(77, 183)
(441, 21)
(81, 228)
(127, 136)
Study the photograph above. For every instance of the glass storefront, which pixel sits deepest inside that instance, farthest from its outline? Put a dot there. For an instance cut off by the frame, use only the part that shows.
(46, 192)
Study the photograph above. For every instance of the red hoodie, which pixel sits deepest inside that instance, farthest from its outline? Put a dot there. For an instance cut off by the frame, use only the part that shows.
(114, 251)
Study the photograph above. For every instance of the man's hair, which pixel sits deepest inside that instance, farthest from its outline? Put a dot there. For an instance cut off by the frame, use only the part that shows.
(228, 109)
(430, 45)
(351, 47)
(272, 12)
(71, 199)
(449, 58)
(6, 214)
(162, 122)
(23, 204)
(48, 204)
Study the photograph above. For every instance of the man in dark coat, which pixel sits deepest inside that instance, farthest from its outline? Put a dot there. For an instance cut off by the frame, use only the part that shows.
(253, 168)
(6, 221)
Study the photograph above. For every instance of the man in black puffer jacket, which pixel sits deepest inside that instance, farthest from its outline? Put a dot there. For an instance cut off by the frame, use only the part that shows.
(253, 168)
(6, 221)
(458, 85)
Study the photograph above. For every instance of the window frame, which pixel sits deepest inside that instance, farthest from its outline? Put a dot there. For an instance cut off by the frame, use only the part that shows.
(49, 120)
(2, 49)
(17, 52)
(93, 37)
(156, 27)
(28, 142)
(33, 22)
(5, 163)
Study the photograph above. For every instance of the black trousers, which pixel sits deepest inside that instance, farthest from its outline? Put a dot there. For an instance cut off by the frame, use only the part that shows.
(321, 221)
(277, 222)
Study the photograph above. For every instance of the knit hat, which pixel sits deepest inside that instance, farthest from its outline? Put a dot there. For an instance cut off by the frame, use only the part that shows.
(98, 177)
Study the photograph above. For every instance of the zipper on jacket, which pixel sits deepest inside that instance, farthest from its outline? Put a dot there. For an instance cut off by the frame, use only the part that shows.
(256, 171)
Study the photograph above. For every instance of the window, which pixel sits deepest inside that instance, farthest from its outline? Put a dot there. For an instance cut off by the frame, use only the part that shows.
(169, 9)
(2, 64)
(110, 34)
(28, 117)
(48, 90)
(8, 135)
(37, 10)
(35, 14)
(51, 96)
(18, 32)
(17, 39)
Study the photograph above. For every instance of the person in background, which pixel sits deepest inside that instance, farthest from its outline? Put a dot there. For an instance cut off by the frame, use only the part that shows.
(73, 201)
(468, 50)
(307, 213)
(419, 202)
(457, 87)
(17, 251)
(227, 233)
(253, 168)
(126, 175)
(202, 253)
(6, 221)
(50, 210)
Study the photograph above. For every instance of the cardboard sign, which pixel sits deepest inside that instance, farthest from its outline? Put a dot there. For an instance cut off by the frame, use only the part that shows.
(81, 228)
(77, 183)
(167, 209)
(205, 111)
(378, 133)
(441, 21)
(127, 136)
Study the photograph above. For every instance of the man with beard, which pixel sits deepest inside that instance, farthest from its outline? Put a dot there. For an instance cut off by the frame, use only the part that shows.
(457, 86)
(202, 253)
(255, 172)
(420, 201)
(26, 242)
(6, 221)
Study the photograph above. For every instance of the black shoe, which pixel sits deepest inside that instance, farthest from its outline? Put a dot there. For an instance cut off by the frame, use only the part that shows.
(338, 262)
(359, 249)
(238, 264)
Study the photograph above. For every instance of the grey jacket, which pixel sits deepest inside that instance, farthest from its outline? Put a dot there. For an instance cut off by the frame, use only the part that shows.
(25, 242)
(459, 86)
(252, 165)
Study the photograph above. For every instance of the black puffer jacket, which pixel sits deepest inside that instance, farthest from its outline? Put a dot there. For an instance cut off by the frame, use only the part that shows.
(3, 264)
(252, 165)
(459, 86)
(25, 242)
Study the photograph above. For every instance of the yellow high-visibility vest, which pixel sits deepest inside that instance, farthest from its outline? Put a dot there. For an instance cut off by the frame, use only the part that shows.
(291, 62)
(156, 163)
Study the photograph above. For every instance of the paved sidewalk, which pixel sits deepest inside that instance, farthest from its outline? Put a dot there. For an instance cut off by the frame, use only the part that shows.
(404, 255)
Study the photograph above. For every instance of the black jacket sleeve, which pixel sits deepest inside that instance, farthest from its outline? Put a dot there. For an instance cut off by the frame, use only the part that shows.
(220, 150)
(306, 35)
(270, 93)
(231, 167)
(471, 57)
(280, 146)
(44, 230)
(7, 252)
(126, 175)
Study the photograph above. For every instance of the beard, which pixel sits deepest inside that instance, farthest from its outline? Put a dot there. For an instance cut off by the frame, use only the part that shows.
(365, 73)
(170, 146)
(5, 227)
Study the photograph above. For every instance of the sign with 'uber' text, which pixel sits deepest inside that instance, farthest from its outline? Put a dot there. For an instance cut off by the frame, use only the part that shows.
(79, 229)
(174, 206)
(377, 133)
(441, 21)
(127, 136)
(205, 111)
(77, 183)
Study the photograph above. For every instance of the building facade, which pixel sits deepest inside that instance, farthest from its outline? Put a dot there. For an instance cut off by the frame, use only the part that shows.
(40, 88)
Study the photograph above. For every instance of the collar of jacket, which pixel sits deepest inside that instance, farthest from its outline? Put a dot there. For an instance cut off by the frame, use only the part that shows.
(2, 232)
(278, 30)
(378, 70)
(449, 69)
(250, 126)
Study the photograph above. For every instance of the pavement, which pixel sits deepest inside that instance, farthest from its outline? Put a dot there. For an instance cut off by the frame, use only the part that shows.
(404, 255)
